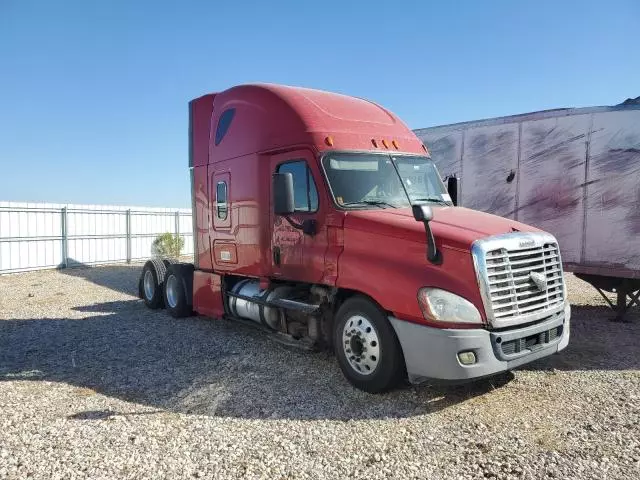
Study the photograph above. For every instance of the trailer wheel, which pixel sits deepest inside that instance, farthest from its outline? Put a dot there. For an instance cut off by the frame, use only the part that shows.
(177, 290)
(366, 346)
(151, 283)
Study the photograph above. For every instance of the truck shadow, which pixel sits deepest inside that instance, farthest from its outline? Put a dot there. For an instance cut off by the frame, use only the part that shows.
(220, 368)
(120, 278)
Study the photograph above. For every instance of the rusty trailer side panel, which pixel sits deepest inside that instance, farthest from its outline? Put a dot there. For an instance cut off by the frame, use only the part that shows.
(572, 172)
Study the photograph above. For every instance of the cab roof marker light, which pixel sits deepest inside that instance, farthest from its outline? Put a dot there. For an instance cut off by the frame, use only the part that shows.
(384, 142)
(374, 143)
(329, 141)
(395, 144)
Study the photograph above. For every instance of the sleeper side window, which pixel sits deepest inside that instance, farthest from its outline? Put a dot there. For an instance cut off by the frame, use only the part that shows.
(305, 193)
(223, 124)
(221, 200)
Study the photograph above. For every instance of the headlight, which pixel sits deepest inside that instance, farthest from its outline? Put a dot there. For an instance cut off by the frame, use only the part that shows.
(445, 306)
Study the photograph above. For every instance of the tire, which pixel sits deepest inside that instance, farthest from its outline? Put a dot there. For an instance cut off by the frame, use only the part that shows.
(177, 290)
(141, 286)
(168, 262)
(151, 283)
(366, 346)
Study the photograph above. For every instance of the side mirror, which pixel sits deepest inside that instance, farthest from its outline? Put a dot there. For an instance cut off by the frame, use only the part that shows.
(452, 188)
(422, 213)
(283, 202)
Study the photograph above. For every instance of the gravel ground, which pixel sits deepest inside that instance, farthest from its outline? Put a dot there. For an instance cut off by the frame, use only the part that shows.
(94, 385)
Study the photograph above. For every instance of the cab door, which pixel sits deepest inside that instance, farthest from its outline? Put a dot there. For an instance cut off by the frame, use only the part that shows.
(296, 255)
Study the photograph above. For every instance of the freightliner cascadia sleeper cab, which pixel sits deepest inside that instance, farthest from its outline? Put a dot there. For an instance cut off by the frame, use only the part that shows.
(321, 218)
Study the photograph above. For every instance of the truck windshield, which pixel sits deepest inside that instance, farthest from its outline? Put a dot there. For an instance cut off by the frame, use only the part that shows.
(363, 180)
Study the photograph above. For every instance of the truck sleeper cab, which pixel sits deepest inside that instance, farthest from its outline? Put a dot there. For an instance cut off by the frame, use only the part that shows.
(322, 219)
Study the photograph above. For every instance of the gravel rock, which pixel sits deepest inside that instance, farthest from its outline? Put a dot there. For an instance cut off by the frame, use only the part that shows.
(94, 385)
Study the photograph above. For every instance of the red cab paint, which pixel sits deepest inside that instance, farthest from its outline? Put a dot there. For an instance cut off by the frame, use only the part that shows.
(305, 221)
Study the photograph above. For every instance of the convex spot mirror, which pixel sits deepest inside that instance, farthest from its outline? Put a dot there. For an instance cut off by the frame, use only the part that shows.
(422, 213)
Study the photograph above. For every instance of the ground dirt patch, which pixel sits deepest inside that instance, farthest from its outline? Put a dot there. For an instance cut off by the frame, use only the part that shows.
(94, 385)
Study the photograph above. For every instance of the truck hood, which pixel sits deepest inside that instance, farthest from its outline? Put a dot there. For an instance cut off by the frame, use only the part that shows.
(456, 227)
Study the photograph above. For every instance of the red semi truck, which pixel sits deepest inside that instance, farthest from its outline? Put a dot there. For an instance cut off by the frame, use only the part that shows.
(322, 218)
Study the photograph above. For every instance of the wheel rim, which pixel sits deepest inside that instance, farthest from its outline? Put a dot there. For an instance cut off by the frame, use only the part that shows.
(149, 285)
(361, 344)
(172, 291)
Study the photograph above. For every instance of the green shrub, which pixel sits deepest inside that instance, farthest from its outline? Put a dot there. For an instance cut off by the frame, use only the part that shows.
(167, 245)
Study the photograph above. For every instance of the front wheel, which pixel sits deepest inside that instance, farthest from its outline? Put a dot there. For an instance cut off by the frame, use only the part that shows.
(367, 348)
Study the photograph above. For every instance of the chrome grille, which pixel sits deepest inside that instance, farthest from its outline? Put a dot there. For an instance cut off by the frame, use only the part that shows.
(512, 290)
(520, 277)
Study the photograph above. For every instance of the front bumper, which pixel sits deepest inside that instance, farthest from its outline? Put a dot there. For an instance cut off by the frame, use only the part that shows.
(432, 353)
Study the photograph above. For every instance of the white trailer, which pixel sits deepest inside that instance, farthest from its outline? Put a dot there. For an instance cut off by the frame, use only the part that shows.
(572, 172)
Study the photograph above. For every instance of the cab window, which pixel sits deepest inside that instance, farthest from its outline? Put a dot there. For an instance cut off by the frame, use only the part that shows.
(224, 123)
(305, 193)
(221, 200)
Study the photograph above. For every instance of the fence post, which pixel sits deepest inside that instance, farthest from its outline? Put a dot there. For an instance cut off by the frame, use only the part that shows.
(65, 238)
(128, 224)
(177, 220)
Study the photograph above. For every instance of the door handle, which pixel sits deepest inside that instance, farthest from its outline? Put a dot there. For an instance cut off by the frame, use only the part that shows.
(276, 255)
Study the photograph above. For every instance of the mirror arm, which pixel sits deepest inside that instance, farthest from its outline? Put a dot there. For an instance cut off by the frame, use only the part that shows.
(423, 213)
(433, 254)
(308, 226)
(297, 226)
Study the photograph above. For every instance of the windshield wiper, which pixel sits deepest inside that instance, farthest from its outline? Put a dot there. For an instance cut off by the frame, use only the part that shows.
(432, 199)
(377, 203)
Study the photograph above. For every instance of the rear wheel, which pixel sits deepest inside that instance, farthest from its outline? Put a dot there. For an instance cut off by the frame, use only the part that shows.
(168, 262)
(151, 283)
(177, 289)
(366, 346)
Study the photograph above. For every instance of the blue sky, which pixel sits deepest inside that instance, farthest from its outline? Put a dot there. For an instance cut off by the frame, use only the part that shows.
(93, 94)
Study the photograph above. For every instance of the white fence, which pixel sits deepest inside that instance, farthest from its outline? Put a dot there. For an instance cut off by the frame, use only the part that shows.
(36, 236)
